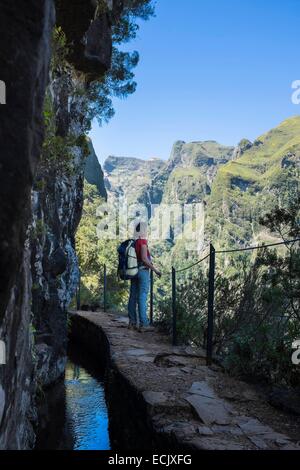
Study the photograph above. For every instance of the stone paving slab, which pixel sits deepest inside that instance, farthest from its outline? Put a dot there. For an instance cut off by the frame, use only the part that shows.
(210, 410)
(203, 389)
(198, 405)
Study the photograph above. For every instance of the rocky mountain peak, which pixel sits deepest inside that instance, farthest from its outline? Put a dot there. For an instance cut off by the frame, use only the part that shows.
(241, 148)
(186, 176)
(130, 177)
(197, 153)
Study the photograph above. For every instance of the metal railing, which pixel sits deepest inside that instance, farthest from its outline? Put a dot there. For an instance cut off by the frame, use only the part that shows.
(210, 296)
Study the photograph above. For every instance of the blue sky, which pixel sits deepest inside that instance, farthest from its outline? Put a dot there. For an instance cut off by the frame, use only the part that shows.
(209, 69)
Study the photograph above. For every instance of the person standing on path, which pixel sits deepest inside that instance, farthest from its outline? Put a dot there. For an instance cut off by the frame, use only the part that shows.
(139, 287)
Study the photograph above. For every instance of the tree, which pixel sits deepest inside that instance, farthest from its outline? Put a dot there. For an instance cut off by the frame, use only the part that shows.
(93, 252)
(119, 80)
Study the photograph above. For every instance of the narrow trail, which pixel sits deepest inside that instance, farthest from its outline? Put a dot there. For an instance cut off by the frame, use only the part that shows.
(188, 402)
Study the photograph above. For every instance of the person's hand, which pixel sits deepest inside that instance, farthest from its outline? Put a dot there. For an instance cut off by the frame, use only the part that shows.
(157, 272)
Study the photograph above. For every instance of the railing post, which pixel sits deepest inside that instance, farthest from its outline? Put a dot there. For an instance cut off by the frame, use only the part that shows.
(151, 297)
(104, 288)
(174, 313)
(78, 300)
(211, 295)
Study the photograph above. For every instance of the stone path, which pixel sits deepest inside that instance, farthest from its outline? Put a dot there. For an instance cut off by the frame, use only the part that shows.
(198, 405)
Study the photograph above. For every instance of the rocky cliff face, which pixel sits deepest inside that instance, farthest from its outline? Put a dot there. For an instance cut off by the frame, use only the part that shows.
(57, 204)
(87, 26)
(93, 172)
(58, 189)
(55, 272)
(186, 177)
(191, 169)
(38, 266)
(24, 63)
(131, 178)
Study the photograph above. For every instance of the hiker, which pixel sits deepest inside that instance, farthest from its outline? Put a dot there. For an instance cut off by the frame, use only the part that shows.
(139, 286)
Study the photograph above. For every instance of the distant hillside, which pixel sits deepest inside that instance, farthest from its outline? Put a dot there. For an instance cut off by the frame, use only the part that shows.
(186, 177)
(237, 184)
(265, 174)
(131, 178)
(190, 170)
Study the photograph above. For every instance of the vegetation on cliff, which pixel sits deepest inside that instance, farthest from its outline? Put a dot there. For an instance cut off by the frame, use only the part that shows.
(265, 175)
(87, 68)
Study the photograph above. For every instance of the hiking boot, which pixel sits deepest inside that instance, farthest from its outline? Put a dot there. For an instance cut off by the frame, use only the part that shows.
(132, 326)
(145, 329)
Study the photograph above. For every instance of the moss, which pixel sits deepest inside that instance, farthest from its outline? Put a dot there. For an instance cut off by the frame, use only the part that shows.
(60, 49)
(58, 151)
(38, 230)
(83, 143)
(39, 185)
(102, 8)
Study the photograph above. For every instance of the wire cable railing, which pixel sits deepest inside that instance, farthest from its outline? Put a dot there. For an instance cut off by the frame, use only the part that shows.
(187, 268)
(248, 248)
(286, 242)
(211, 289)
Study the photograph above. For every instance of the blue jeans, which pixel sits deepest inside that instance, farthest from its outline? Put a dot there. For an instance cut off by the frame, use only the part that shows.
(139, 289)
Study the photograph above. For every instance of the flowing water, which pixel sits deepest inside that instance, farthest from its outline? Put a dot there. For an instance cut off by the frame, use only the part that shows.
(73, 414)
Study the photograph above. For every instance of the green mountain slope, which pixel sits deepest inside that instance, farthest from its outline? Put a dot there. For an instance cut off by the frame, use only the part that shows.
(264, 175)
(190, 170)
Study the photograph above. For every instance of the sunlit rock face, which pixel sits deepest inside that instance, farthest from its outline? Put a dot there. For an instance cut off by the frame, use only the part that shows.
(24, 63)
(130, 179)
(54, 269)
(262, 175)
(184, 178)
(188, 174)
(57, 204)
